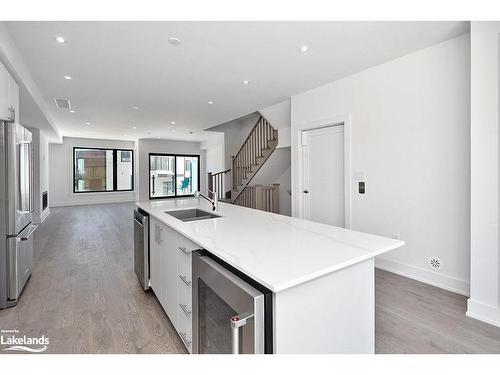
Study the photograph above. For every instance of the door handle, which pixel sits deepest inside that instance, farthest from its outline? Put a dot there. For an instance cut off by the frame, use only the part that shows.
(185, 309)
(27, 237)
(184, 250)
(306, 191)
(237, 322)
(184, 338)
(185, 280)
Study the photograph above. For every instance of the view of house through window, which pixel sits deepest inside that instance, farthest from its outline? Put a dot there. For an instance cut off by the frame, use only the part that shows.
(101, 170)
(173, 175)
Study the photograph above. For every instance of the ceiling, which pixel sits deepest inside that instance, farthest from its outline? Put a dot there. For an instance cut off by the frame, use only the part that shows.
(117, 65)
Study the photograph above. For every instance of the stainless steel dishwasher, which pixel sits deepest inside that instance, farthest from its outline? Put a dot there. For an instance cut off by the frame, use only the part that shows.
(141, 247)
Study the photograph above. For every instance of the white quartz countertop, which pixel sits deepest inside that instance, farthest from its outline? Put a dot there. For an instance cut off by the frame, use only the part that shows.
(275, 250)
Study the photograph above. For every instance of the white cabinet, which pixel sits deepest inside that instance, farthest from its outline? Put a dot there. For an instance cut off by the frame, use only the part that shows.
(9, 95)
(171, 276)
(155, 257)
(184, 289)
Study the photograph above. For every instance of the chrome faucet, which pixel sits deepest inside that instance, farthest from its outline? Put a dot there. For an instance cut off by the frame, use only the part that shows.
(215, 201)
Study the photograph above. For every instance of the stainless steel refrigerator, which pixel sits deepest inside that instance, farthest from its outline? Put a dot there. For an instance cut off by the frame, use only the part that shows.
(16, 211)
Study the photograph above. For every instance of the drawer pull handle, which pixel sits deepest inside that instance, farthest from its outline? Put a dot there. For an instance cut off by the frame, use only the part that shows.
(184, 250)
(185, 309)
(185, 279)
(184, 339)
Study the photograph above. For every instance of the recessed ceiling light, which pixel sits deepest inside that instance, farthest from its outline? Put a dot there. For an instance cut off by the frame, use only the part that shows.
(172, 122)
(245, 82)
(72, 110)
(210, 102)
(135, 107)
(304, 48)
(60, 39)
(134, 127)
(68, 77)
(205, 133)
(87, 123)
(174, 41)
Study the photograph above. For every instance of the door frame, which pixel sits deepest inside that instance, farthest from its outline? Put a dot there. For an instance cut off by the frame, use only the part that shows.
(298, 168)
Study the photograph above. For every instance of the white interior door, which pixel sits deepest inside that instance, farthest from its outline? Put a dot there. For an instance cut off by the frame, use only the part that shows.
(323, 175)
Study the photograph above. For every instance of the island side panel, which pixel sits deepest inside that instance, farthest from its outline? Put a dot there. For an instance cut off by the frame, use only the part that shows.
(331, 314)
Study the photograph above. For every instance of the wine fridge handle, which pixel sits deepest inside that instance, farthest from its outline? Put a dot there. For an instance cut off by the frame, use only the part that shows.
(237, 322)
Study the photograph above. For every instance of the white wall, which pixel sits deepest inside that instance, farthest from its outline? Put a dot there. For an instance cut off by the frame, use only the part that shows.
(61, 173)
(40, 173)
(214, 152)
(410, 123)
(484, 302)
(146, 146)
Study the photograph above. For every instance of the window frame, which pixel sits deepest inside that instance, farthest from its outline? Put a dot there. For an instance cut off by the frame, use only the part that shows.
(115, 172)
(175, 174)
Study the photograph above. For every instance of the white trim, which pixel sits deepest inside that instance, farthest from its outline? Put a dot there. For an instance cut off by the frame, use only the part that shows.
(297, 198)
(426, 276)
(483, 312)
(44, 214)
(87, 203)
(38, 219)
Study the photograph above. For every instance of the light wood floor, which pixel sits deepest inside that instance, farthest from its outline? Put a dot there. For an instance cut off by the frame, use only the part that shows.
(83, 293)
(85, 297)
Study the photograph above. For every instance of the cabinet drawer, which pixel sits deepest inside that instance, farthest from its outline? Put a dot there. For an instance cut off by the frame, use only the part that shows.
(185, 328)
(186, 245)
(184, 291)
(184, 263)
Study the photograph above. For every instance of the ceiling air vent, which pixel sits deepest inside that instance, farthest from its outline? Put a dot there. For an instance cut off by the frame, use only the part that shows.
(62, 103)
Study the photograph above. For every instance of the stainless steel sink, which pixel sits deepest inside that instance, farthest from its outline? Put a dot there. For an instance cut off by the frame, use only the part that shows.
(191, 214)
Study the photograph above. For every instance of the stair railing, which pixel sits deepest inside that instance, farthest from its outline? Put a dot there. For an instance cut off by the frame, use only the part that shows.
(255, 143)
(217, 181)
(264, 198)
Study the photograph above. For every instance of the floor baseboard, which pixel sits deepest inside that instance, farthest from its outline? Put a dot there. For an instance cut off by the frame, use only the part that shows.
(45, 214)
(485, 313)
(85, 203)
(426, 276)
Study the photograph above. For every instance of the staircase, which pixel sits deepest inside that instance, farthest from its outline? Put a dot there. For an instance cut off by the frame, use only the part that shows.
(264, 198)
(258, 146)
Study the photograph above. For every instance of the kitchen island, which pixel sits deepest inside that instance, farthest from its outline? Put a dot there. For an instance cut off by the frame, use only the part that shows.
(321, 278)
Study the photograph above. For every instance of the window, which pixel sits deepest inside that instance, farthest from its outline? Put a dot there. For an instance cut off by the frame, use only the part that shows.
(102, 170)
(173, 175)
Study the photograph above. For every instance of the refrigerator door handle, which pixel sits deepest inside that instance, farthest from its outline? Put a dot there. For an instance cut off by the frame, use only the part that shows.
(26, 237)
(31, 164)
(24, 176)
